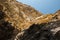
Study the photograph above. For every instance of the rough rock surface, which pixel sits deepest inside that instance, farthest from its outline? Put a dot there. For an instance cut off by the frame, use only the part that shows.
(17, 11)
(44, 31)
(19, 21)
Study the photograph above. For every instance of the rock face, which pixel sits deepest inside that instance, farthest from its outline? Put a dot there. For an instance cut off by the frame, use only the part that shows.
(44, 31)
(19, 21)
(17, 11)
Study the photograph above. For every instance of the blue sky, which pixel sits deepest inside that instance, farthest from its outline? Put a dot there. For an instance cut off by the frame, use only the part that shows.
(44, 6)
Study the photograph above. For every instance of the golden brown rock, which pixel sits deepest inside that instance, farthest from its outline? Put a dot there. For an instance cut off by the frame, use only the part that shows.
(21, 16)
(18, 14)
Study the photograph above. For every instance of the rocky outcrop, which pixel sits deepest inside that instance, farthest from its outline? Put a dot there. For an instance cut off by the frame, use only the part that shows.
(17, 11)
(44, 31)
(49, 30)
(21, 21)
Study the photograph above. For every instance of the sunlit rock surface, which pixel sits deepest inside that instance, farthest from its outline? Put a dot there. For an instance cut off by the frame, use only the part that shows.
(17, 11)
(17, 19)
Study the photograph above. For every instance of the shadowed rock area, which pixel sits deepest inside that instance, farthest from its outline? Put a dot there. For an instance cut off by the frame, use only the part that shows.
(46, 31)
(7, 31)
(19, 21)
